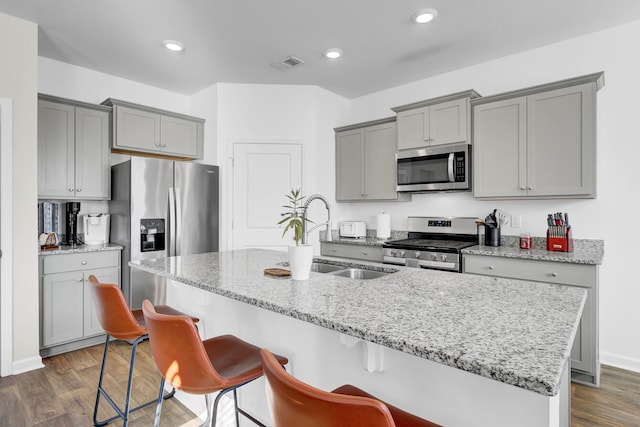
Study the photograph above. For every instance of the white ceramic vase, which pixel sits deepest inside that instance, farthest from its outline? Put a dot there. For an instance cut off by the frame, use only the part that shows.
(300, 259)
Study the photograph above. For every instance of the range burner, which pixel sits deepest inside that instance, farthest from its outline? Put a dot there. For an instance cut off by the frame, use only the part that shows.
(433, 242)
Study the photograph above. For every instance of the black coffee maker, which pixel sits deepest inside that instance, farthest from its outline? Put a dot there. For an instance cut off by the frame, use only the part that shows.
(72, 223)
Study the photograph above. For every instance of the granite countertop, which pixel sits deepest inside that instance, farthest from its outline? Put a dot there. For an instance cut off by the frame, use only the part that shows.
(584, 252)
(511, 331)
(67, 249)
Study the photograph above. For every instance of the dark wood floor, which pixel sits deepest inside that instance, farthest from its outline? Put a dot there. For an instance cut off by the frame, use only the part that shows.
(63, 393)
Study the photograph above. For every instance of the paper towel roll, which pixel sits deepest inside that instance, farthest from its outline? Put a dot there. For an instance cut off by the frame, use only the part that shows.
(383, 227)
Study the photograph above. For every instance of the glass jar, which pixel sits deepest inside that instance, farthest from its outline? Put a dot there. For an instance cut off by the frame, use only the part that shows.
(525, 241)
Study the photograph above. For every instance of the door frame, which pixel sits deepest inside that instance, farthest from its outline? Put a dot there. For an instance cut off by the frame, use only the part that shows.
(6, 236)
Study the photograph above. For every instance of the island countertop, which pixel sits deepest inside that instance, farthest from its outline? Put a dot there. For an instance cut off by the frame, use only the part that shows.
(512, 331)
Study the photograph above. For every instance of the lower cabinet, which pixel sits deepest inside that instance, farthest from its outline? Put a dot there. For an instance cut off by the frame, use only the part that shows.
(585, 360)
(362, 252)
(67, 314)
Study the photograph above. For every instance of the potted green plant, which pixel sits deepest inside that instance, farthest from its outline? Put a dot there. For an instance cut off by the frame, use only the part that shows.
(300, 255)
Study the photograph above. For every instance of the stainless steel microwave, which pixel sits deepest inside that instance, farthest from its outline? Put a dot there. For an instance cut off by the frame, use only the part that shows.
(436, 168)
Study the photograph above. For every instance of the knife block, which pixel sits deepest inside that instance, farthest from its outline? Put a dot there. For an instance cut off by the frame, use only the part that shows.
(562, 243)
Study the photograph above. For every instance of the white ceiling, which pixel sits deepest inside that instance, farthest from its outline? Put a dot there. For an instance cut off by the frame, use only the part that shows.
(235, 41)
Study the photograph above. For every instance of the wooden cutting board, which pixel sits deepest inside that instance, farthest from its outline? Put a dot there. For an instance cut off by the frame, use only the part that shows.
(277, 272)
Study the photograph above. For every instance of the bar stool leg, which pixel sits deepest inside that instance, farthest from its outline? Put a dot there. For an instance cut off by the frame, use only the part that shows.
(95, 409)
(156, 421)
(209, 404)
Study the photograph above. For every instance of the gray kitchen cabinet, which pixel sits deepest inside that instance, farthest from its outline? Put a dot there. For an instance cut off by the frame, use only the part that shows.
(437, 121)
(585, 359)
(67, 313)
(140, 129)
(538, 142)
(73, 150)
(361, 252)
(366, 163)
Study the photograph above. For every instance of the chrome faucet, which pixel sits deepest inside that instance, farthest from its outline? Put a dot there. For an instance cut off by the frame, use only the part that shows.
(305, 233)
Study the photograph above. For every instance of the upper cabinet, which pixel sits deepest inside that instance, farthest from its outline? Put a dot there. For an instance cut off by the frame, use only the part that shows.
(366, 162)
(538, 142)
(73, 149)
(436, 121)
(139, 129)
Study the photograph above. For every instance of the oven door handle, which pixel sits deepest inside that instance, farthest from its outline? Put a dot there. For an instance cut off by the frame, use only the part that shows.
(452, 177)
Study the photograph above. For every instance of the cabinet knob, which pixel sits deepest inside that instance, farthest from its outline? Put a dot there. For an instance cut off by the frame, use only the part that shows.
(491, 267)
(364, 253)
(529, 188)
(163, 145)
(70, 189)
(522, 188)
(84, 263)
(78, 189)
(81, 279)
(334, 250)
(554, 274)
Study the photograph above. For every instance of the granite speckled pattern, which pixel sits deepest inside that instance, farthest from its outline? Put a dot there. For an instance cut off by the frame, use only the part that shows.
(64, 249)
(511, 331)
(584, 252)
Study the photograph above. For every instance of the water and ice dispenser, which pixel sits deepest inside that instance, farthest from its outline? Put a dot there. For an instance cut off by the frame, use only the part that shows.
(152, 235)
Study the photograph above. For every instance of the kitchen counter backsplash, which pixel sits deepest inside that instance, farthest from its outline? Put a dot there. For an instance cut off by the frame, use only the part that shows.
(369, 240)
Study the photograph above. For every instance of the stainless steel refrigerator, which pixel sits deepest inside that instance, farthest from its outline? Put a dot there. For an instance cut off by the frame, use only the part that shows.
(161, 208)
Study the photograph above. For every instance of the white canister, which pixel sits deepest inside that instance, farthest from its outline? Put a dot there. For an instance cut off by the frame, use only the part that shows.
(383, 226)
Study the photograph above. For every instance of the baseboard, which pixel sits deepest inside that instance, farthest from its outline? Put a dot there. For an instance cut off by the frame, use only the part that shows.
(26, 365)
(622, 362)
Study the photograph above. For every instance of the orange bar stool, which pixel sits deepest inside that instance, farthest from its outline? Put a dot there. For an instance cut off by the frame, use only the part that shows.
(220, 364)
(119, 322)
(294, 403)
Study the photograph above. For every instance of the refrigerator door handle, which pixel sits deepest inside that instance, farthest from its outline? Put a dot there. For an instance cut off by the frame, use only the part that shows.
(171, 226)
(178, 222)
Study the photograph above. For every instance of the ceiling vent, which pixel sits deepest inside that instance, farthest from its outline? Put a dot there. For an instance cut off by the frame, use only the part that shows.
(288, 64)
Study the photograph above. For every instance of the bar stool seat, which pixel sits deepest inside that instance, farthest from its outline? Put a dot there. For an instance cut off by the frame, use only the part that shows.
(220, 364)
(120, 322)
(295, 403)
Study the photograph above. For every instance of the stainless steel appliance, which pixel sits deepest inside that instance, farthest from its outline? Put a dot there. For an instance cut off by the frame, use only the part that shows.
(161, 208)
(433, 242)
(435, 168)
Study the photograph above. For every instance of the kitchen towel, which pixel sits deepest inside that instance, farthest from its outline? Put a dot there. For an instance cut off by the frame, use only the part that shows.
(383, 227)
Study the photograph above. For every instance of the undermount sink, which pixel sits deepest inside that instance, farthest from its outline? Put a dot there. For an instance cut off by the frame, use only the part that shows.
(349, 272)
(325, 268)
(359, 273)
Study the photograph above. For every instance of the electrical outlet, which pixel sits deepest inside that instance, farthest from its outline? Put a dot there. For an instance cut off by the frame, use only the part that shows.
(516, 221)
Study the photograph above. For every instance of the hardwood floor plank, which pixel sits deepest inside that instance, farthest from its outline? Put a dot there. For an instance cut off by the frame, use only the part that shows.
(63, 393)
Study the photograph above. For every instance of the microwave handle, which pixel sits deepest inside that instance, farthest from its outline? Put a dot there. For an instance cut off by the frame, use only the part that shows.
(452, 177)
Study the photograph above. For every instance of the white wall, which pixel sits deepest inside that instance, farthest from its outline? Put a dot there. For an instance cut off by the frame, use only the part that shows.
(610, 217)
(18, 82)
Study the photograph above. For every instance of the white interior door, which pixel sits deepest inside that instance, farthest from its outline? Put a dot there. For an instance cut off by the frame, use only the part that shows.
(263, 173)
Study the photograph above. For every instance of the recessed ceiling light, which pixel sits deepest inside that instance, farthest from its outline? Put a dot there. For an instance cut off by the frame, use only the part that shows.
(174, 45)
(333, 53)
(424, 15)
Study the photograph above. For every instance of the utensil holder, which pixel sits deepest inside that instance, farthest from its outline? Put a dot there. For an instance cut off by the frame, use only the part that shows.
(492, 236)
(559, 239)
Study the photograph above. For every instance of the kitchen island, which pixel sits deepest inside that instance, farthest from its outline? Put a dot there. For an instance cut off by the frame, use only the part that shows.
(455, 348)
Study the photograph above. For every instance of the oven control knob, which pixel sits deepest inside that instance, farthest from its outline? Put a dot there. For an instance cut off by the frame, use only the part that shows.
(417, 254)
(443, 257)
(402, 253)
(433, 257)
(393, 253)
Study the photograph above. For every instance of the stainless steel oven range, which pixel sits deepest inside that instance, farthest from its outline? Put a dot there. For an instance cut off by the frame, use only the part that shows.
(433, 242)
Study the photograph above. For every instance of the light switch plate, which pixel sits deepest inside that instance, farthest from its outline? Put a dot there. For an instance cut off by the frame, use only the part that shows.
(516, 221)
